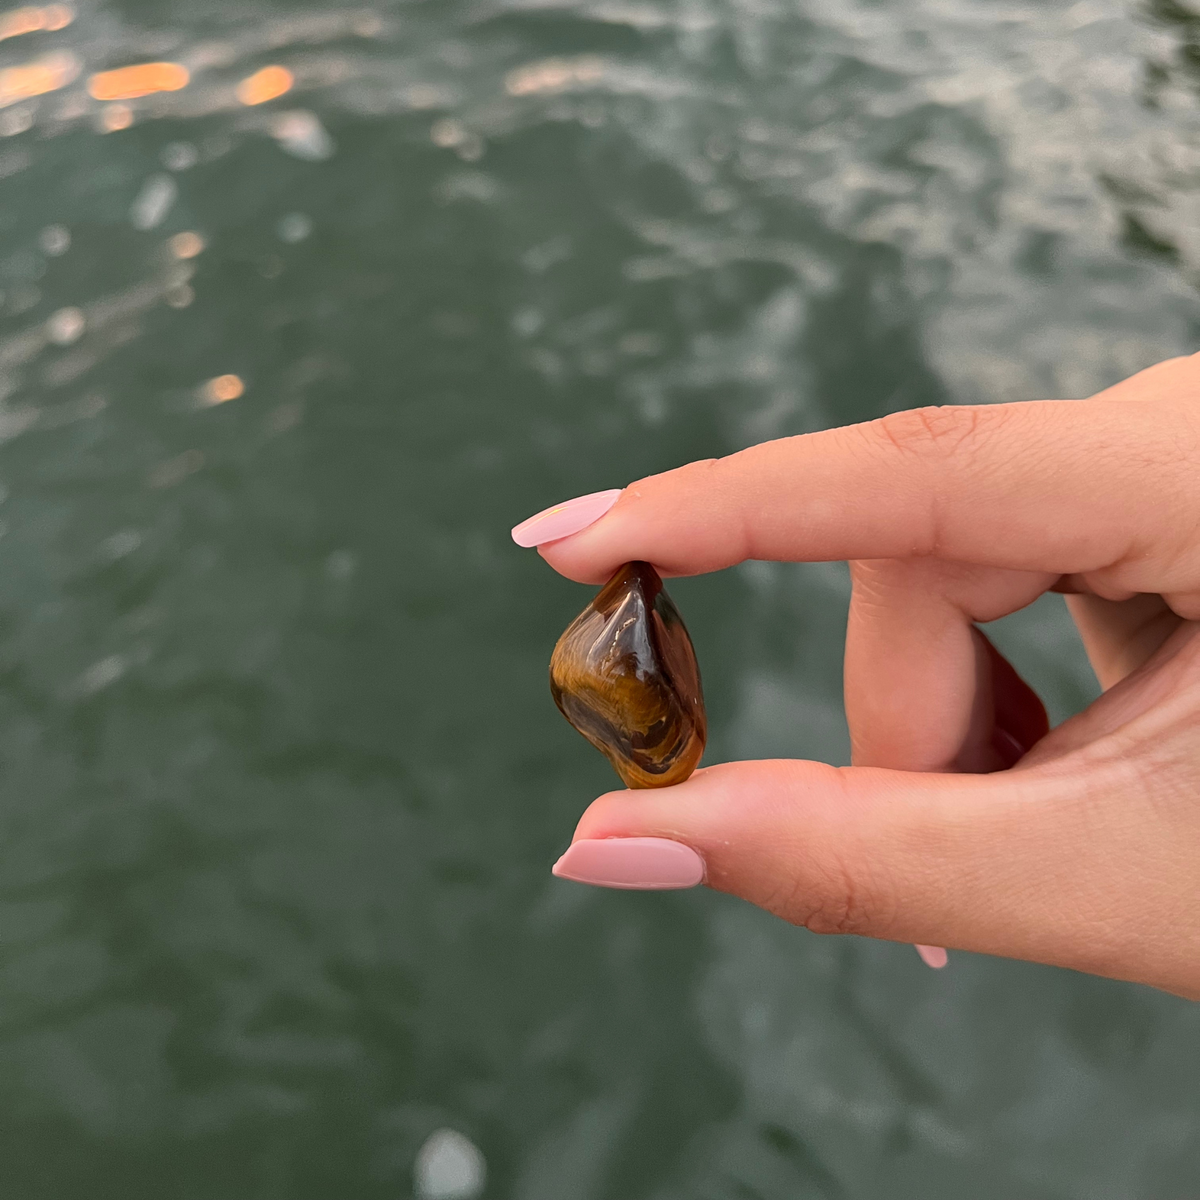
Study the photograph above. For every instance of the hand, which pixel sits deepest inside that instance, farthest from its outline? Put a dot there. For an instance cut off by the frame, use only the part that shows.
(962, 822)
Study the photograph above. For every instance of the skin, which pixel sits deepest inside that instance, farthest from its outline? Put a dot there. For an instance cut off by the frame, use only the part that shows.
(959, 823)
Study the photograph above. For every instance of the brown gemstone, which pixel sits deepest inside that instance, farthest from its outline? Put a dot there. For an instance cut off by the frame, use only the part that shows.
(625, 675)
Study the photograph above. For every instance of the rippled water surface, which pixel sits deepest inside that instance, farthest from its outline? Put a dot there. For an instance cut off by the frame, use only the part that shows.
(282, 780)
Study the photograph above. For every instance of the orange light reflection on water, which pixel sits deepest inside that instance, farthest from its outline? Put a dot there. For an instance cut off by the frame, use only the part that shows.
(32, 20)
(221, 389)
(264, 85)
(129, 83)
(36, 78)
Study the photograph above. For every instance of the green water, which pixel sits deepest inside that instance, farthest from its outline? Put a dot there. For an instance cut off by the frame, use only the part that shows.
(282, 779)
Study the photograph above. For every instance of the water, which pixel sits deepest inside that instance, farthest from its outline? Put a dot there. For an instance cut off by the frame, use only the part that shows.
(282, 776)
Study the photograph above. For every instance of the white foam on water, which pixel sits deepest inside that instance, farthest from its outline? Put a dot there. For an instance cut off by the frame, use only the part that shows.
(301, 134)
(55, 240)
(65, 326)
(294, 227)
(449, 1166)
(153, 202)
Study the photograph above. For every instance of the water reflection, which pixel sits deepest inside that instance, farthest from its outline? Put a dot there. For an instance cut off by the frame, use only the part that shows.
(300, 311)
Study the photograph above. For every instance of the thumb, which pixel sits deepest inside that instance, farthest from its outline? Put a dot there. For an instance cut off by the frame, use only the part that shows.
(1010, 863)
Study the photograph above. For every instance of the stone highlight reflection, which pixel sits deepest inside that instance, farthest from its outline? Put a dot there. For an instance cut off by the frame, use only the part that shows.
(625, 675)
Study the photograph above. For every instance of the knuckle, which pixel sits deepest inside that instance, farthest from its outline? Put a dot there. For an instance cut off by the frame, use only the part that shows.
(666, 483)
(888, 582)
(935, 431)
(700, 468)
(834, 901)
(867, 570)
(846, 906)
(881, 576)
(875, 583)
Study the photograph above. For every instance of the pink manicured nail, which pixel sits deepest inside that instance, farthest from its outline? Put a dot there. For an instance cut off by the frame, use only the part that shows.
(933, 956)
(645, 863)
(564, 519)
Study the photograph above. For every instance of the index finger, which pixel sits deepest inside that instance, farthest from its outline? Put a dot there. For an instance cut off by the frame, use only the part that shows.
(1098, 488)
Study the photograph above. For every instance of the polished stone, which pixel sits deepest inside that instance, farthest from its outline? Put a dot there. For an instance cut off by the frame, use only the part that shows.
(624, 674)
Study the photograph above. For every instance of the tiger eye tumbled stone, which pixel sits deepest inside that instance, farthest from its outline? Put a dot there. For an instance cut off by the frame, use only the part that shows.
(625, 675)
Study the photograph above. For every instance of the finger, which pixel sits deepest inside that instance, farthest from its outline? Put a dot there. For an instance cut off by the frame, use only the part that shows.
(969, 862)
(1119, 636)
(1065, 487)
(925, 689)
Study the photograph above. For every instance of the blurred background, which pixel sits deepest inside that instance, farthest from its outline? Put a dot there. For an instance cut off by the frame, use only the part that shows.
(303, 306)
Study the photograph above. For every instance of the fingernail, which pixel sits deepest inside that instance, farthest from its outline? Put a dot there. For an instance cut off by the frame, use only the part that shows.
(933, 956)
(645, 863)
(564, 519)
